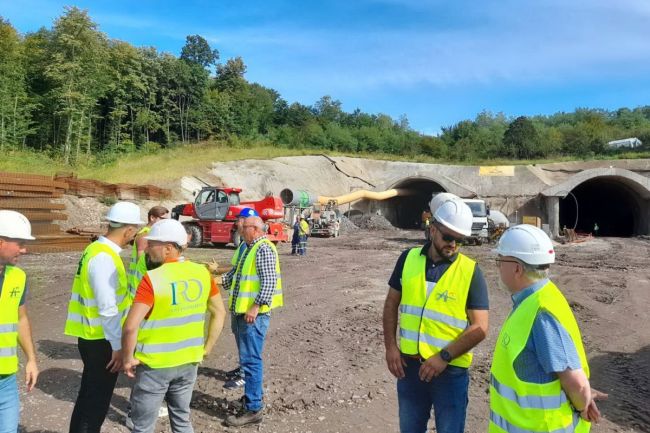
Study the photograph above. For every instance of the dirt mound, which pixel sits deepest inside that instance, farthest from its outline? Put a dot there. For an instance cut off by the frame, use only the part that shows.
(372, 222)
(347, 226)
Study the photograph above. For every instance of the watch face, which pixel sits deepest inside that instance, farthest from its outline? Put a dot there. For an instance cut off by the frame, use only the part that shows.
(446, 356)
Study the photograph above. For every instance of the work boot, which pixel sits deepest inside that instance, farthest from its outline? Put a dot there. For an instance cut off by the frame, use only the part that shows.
(238, 405)
(246, 418)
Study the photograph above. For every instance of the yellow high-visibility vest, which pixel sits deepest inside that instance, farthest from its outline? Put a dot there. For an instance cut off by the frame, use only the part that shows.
(517, 406)
(173, 333)
(249, 283)
(304, 228)
(83, 313)
(12, 292)
(238, 253)
(137, 265)
(432, 315)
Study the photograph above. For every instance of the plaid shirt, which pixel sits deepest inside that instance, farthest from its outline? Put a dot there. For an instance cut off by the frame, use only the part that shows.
(265, 264)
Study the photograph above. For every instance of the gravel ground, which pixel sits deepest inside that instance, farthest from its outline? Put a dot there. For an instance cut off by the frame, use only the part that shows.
(324, 356)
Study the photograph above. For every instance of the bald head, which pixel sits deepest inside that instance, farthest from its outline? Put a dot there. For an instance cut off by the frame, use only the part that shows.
(253, 228)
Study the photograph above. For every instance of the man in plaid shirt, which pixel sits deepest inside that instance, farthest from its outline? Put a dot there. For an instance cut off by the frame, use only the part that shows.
(252, 283)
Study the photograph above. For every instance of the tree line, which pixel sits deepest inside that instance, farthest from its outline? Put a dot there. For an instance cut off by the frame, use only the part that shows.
(75, 93)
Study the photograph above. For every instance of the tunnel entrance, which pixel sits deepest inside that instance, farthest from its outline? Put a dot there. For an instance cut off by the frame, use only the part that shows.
(605, 201)
(405, 212)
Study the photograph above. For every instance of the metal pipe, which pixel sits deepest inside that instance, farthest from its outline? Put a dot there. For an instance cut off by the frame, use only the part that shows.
(304, 198)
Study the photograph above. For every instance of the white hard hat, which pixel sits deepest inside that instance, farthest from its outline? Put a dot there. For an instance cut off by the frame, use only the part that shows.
(456, 216)
(439, 199)
(124, 212)
(527, 243)
(168, 230)
(15, 225)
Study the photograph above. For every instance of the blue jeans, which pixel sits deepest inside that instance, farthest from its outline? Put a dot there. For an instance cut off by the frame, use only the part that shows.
(9, 404)
(447, 394)
(250, 342)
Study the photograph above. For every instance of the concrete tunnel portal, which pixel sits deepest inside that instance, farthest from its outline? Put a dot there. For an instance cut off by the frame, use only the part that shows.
(609, 203)
(405, 212)
(615, 199)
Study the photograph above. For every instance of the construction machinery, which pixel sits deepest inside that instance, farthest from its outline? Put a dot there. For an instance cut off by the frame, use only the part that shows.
(214, 213)
(325, 220)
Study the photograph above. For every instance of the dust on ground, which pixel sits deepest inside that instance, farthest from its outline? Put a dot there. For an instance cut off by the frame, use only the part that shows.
(324, 356)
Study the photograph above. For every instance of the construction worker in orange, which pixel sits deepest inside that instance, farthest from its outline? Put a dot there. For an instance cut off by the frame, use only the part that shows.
(15, 232)
(98, 305)
(163, 337)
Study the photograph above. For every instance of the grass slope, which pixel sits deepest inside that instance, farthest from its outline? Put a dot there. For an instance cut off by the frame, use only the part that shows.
(196, 159)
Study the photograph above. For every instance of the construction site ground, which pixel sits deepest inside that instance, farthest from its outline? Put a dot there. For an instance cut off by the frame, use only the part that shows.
(324, 355)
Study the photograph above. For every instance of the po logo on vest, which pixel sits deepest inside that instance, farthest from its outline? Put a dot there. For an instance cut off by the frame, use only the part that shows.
(187, 290)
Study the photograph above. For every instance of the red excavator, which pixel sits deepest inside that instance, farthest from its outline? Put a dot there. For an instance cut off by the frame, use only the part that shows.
(215, 211)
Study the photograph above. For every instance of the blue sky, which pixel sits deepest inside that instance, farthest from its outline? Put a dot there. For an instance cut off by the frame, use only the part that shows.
(436, 61)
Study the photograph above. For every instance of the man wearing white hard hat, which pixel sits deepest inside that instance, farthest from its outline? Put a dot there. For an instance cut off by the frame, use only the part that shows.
(442, 302)
(98, 305)
(540, 375)
(163, 336)
(15, 231)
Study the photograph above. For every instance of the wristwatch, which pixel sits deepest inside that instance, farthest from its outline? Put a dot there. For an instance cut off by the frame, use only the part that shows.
(445, 355)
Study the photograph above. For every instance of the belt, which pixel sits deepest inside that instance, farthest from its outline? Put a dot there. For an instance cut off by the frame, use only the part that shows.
(4, 376)
(416, 357)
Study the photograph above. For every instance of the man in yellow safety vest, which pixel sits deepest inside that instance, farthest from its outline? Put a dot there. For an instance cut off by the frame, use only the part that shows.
(163, 336)
(441, 298)
(15, 231)
(98, 305)
(255, 289)
(540, 375)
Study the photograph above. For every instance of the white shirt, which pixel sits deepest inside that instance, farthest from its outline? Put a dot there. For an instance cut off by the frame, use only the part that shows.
(103, 282)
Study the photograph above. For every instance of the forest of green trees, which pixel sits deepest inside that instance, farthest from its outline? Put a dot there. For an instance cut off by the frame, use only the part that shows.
(74, 93)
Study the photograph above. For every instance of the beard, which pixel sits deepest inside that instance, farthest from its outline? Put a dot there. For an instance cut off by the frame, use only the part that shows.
(151, 264)
(444, 252)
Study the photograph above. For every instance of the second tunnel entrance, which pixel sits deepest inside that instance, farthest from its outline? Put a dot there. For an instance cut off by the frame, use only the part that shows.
(405, 212)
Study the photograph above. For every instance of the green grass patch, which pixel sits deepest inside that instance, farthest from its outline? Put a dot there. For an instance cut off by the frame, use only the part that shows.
(196, 159)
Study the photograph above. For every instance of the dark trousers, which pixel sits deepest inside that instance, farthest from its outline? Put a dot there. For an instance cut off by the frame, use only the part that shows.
(97, 385)
(295, 243)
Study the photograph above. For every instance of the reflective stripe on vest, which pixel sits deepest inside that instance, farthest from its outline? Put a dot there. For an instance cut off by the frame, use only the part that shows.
(501, 425)
(521, 407)
(249, 282)
(434, 314)
(172, 335)
(137, 265)
(13, 288)
(83, 313)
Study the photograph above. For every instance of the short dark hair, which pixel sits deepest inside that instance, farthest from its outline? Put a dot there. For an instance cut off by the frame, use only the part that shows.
(157, 212)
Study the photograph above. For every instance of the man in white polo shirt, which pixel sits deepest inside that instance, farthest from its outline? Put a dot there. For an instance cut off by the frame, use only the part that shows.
(97, 307)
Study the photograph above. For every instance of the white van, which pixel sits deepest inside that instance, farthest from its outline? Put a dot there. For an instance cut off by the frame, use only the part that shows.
(479, 219)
